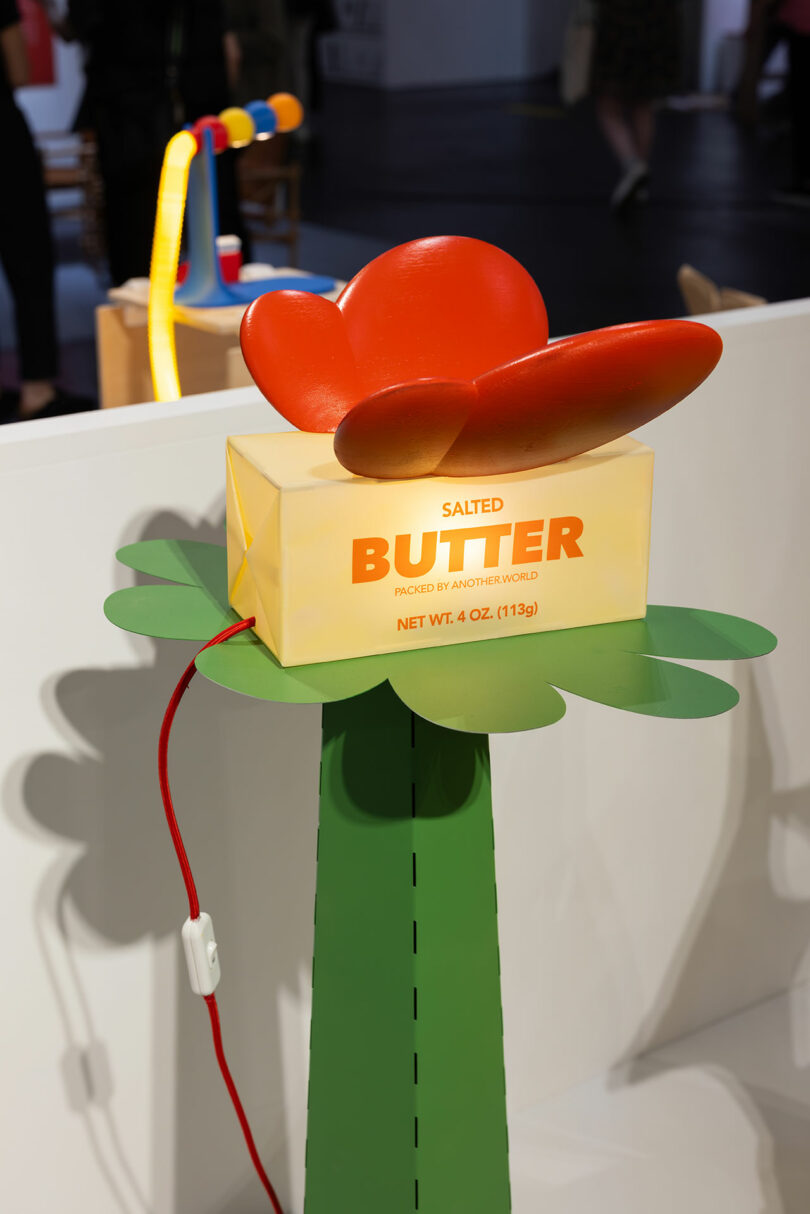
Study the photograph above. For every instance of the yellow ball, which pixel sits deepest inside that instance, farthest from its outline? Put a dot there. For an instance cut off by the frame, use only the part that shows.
(288, 110)
(239, 125)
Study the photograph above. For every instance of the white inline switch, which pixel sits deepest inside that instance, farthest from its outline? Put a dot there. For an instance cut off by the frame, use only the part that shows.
(202, 954)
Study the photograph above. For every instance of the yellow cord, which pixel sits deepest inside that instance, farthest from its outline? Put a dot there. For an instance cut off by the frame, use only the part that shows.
(180, 151)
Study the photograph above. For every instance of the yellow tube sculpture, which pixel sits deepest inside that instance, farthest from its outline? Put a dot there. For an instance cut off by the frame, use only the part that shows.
(180, 151)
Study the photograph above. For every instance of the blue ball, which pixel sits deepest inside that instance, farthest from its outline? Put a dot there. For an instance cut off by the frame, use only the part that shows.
(264, 119)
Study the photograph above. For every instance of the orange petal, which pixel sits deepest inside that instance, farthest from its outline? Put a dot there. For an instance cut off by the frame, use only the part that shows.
(296, 349)
(404, 431)
(579, 393)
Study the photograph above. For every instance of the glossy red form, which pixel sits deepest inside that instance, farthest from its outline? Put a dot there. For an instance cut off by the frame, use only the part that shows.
(435, 361)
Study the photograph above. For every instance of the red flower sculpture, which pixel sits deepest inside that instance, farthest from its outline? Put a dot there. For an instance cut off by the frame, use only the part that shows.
(435, 361)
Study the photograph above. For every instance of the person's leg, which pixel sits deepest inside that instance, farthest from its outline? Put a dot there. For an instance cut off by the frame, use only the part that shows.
(621, 137)
(642, 124)
(616, 129)
(26, 253)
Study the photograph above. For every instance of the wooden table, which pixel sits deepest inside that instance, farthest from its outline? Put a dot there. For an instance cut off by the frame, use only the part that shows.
(208, 352)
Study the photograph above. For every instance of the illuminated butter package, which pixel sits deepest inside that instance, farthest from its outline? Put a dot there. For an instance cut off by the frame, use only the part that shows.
(334, 565)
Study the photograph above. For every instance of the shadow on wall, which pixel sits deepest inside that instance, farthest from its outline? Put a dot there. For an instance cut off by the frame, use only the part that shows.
(753, 892)
(245, 780)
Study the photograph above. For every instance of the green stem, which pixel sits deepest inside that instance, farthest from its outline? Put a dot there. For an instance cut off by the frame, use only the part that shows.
(406, 1097)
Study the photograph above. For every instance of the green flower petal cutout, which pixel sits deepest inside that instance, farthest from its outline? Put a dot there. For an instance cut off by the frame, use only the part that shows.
(683, 632)
(494, 686)
(194, 610)
(179, 613)
(633, 682)
(252, 669)
(480, 687)
(189, 562)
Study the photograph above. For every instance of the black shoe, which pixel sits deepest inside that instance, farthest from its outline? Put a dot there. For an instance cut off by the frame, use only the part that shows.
(635, 179)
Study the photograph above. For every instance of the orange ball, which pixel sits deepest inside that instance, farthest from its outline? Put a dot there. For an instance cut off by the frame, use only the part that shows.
(288, 110)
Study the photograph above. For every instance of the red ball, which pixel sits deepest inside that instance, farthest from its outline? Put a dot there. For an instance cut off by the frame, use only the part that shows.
(219, 132)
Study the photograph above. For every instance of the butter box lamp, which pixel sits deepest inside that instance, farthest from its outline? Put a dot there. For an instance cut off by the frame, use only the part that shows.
(407, 1106)
(333, 565)
(456, 477)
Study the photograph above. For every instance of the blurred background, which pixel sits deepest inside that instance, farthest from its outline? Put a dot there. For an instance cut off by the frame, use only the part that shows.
(643, 159)
(605, 144)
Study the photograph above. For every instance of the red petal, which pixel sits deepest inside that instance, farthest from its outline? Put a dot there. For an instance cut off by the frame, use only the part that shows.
(448, 307)
(579, 393)
(404, 431)
(296, 349)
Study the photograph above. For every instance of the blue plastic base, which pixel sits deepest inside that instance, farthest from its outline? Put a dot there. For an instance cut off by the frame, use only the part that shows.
(204, 286)
(217, 294)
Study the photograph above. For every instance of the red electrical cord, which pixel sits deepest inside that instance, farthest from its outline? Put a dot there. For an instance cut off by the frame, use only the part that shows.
(193, 900)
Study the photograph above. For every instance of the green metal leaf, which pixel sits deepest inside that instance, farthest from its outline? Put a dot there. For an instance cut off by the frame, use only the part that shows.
(636, 683)
(683, 632)
(252, 670)
(178, 613)
(508, 685)
(481, 687)
(189, 562)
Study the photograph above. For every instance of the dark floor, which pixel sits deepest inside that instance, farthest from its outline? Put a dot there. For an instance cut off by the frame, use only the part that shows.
(508, 165)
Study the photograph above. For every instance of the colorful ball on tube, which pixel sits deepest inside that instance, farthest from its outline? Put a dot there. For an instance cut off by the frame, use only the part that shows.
(219, 132)
(264, 119)
(239, 125)
(288, 110)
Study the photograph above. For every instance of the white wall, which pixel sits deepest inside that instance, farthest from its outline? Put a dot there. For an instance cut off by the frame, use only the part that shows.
(653, 875)
(53, 107)
(544, 24)
(425, 43)
(720, 17)
(441, 42)
(668, 861)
